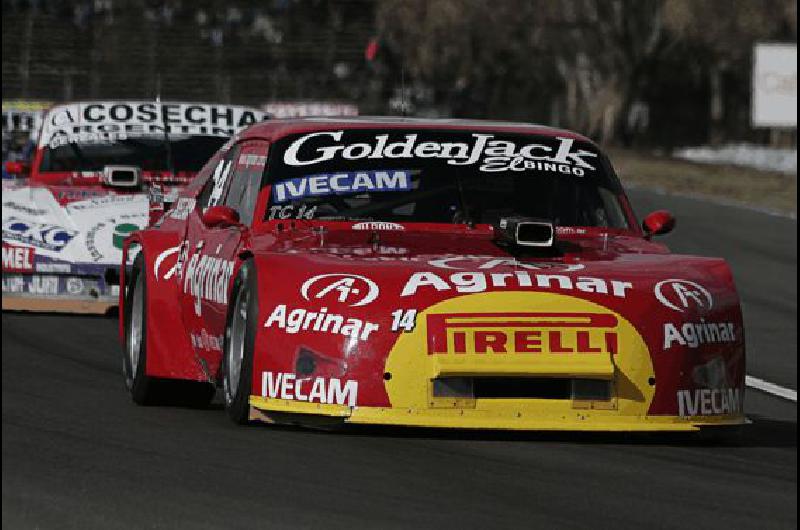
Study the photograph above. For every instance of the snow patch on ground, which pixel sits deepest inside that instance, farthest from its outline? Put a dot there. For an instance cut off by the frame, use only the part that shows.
(748, 155)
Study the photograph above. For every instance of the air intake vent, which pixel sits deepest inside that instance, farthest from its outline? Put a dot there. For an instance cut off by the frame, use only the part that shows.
(488, 387)
(535, 234)
(521, 388)
(122, 176)
(526, 232)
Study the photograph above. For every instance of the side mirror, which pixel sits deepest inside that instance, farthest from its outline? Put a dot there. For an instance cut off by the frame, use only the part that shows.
(220, 217)
(15, 168)
(658, 223)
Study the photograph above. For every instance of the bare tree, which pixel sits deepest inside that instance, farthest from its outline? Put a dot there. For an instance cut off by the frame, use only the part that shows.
(584, 64)
(723, 34)
(591, 57)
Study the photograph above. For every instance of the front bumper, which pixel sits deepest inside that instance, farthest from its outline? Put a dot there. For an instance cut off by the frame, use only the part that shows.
(511, 415)
(57, 305)
(556, 363)
(85, 289)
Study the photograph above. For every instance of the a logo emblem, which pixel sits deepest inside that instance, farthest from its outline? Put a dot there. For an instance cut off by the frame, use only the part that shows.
(42, 235)
(471, 262)
(378, 225)
(169, 273)
(121, 231)
(74, 286)
(548, 333)
(351, 289)
(18, 259)
(681, 295)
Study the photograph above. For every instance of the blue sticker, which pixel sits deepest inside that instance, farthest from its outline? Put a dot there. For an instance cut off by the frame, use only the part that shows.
(341, 184)
(42, 235)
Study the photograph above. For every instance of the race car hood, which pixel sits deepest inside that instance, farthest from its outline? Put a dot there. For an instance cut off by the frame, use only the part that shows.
(404, 252)
(616, 270)
(661, 316)
(87, 232)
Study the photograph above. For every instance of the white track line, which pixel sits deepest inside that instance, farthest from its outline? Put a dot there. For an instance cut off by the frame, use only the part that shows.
(771, 388)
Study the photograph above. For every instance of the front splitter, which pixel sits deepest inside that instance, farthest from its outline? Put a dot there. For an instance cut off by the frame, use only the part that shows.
(581, 420)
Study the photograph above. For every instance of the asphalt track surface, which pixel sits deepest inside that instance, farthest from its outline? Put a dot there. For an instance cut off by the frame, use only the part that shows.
(78, 454)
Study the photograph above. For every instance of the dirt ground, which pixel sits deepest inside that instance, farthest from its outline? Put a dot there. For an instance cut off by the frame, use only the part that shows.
(761, 189)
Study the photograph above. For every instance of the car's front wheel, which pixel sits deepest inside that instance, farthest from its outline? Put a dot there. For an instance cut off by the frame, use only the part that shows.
(134, 356)
(239, 344)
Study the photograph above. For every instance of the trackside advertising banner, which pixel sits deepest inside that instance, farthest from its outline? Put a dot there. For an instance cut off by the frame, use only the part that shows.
(300, 109)
(109, 121)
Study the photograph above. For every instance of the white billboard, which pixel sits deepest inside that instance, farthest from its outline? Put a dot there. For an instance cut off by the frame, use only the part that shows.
(301, 109)
(775, 85)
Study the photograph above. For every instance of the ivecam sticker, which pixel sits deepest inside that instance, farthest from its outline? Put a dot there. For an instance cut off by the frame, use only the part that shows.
(317, 390)
(341, 184)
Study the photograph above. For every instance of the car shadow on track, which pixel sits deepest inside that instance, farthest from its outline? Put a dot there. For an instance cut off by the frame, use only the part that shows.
(762, 432)
(768, 432)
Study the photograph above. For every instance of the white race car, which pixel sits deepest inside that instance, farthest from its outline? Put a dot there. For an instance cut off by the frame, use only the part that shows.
(101, 170)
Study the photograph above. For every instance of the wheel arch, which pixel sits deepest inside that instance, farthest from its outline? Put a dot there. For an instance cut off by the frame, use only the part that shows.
(246, 278)
(169, 350)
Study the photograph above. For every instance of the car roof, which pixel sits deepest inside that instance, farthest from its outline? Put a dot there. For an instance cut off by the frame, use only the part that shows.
(276, 129)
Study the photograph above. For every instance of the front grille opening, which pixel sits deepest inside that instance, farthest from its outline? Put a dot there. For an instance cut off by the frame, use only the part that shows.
(453, 387)
(535, 233)
(522, 388)
(591, 389)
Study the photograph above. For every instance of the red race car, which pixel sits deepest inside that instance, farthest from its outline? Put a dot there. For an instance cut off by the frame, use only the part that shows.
(435, 273)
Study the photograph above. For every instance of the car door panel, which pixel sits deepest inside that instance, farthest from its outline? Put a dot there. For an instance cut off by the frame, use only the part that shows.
(210, 253)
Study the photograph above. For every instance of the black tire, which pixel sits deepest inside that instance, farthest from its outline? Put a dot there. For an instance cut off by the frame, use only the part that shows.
(146, 390)
(134, 356)
(236, 387)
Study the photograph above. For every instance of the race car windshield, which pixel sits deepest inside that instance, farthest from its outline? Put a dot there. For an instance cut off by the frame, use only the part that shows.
(188, 153)
(441, 177)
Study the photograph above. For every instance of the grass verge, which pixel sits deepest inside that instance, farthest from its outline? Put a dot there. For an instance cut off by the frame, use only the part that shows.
(767, 190)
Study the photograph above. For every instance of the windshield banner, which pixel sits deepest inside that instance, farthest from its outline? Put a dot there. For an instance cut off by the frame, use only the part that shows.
(110, 121)
(487, 151)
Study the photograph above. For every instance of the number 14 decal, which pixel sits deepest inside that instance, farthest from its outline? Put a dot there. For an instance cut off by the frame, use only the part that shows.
(404, 320)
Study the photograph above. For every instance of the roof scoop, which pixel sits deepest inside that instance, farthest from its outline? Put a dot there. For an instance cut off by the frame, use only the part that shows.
(526, 231)
(122, 176)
